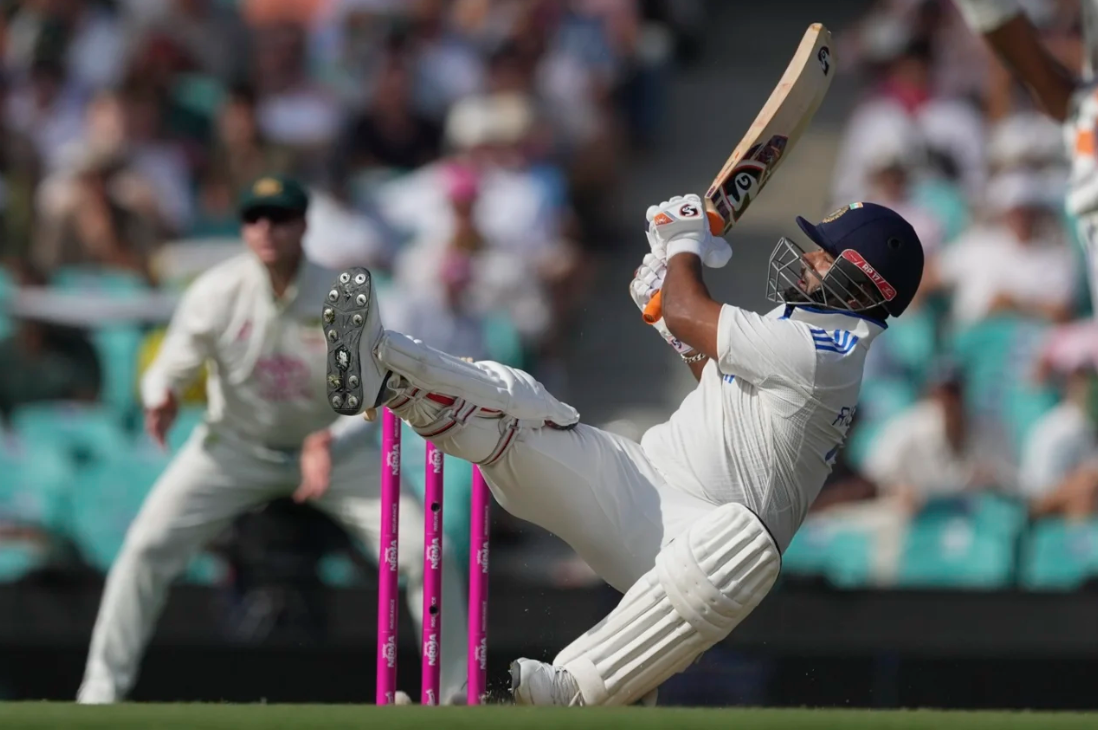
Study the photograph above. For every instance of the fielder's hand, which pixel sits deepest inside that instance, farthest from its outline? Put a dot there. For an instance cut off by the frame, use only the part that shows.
(682, 226)
(159, 420)
(647, 282)
(316, 466)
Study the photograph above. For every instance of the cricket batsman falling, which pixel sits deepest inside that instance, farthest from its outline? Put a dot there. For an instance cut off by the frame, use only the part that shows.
(1067, 98)
(690, 523)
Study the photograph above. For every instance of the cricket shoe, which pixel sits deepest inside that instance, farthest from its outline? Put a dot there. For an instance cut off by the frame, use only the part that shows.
(541, 684)
(352, 328)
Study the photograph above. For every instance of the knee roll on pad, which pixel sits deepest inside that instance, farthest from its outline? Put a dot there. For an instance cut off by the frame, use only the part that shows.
(703, 584)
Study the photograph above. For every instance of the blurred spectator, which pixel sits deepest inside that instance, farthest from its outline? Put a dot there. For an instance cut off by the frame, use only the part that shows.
(104, 215)
(930, 449)
(1058, 474)
(389, 133)
(42, 361)
(45, 110)
(293, 110)
(241, 152)
(1059, 468)
(1020, 263)
(84, 36)
(211, 33)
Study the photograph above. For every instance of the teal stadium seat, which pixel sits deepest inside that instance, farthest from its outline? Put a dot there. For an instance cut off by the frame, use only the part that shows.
(1058, 555)
(996, 357)
(118, 345)
(107, 496)
(83, 432)
(7, 291)
(966, 542)
(823, 549)
(33, 494)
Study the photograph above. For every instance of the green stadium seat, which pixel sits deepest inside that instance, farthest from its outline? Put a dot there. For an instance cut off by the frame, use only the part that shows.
(7, 291)
(82, 431)
(960, 543)
(996, 358)
(118, 345)
(106, 498)
(33, 493)
(823, 548)
(1059, 555)
(880, 399)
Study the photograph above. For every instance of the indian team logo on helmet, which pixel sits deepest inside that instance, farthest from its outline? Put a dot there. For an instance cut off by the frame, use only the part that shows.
(839, 213)
(267, 186)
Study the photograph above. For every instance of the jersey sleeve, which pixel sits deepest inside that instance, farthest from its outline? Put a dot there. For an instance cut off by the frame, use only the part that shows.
(187, 345)
(764, 350)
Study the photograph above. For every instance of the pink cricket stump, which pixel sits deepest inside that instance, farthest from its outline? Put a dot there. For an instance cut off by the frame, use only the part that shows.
(478, 590)
(387, 609)
(432, 576)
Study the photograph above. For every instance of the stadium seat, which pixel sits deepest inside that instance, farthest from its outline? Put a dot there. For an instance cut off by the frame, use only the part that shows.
(1059, 555)
(35, 488)
(824, 548)
(996, 358)
(117, 345)
(106, 498)
(880, 400)
(84, 432)
(7, 290)
(966, 542)
(33, 494)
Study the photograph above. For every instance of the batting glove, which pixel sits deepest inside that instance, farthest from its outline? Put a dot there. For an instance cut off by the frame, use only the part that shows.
(682, 226)
(647, 280)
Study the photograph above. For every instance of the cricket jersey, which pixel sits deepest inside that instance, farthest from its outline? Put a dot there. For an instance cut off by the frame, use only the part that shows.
(769, 415)
(266, 356)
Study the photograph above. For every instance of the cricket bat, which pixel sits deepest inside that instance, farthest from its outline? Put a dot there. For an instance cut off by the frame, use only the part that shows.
(780, 123)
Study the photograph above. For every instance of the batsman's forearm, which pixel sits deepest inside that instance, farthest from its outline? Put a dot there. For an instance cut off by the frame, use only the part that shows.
(1018, 46)
(688, 311)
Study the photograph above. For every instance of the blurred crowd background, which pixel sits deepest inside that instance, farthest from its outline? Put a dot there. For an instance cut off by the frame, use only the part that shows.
(469, 152)
(463, 150)
(973, 462)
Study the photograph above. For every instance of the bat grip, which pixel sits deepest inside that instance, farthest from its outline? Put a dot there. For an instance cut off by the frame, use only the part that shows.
(653, 311)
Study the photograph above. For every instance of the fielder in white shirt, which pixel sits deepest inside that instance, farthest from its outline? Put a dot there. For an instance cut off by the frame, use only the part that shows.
(690, 523)
(253, 321)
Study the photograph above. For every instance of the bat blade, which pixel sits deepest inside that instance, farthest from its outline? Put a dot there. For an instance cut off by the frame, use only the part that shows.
(769, 139)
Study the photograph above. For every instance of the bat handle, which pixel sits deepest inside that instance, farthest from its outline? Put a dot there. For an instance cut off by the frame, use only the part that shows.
(653, 311)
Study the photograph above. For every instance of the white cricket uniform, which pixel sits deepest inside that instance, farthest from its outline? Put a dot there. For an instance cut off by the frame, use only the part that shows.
(266, 391)
(762, 429)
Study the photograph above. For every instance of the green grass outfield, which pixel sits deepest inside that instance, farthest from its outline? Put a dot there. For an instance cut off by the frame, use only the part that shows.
(336, 717)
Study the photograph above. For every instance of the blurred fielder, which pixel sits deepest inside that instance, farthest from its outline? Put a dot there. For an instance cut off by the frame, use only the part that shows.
(253, 320)
(690, 523)
(1070, 100)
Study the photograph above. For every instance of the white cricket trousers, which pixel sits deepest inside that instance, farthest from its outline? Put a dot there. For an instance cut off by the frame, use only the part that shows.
(210, 482)
(595, 490)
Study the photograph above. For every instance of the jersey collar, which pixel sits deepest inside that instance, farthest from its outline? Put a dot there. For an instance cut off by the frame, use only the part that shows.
(864, 327)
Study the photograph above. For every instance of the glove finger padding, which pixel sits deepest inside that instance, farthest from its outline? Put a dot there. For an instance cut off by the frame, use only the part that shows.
(682, 225)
